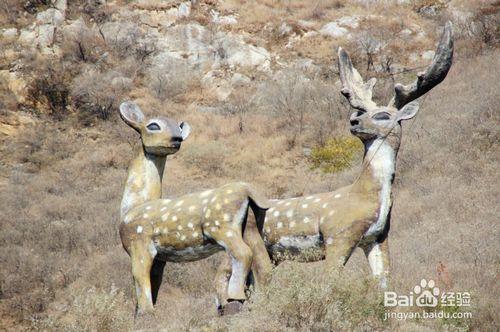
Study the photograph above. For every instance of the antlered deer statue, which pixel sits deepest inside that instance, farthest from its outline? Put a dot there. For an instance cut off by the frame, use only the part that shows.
(333, 224)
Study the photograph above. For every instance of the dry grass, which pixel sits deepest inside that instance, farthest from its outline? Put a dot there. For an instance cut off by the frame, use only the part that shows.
(63, 267)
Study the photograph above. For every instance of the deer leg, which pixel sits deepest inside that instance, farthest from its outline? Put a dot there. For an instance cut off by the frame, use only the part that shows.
(222, 281)
(156, 276)
(141, 268)
(340, 244)
(377, 254)
(261, 263)
(241, 260)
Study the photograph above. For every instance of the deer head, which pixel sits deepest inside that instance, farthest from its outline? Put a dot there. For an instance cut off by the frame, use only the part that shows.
(160, 136)
(371, 121)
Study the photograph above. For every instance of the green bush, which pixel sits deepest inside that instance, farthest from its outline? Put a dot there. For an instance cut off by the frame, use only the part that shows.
(336, 154)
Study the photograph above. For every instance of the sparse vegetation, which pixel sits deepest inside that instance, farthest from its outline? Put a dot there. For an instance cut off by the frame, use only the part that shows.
(61, 181)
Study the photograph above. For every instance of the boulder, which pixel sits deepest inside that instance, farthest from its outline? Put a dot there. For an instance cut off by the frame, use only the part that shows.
(333, 29)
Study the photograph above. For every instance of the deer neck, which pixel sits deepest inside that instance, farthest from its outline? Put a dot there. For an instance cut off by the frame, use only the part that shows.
(145, 175)
(379, 165)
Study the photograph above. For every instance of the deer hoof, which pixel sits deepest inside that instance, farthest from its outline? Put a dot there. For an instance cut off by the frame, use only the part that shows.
(232, 308)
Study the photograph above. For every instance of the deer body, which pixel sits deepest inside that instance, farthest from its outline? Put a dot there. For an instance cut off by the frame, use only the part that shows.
(331, 225)
(302, 227)
(187, 228)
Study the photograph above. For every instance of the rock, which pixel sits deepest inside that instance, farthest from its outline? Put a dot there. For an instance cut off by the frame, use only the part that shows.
(51, 16)
(222, 20)
(239, 80)
(236, 53)
(15, 84)
(184, 9)
(214, 82)
(405, 32)
(27, 37)
(428, 55)
(349, 21)
(332, 29)
(10, 34)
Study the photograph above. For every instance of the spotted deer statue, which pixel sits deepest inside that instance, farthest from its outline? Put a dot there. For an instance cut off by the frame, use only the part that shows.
(188, 228)
(331, 225)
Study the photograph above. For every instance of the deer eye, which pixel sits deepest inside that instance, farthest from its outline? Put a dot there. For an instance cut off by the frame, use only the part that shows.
(153, 126)
(381, 116)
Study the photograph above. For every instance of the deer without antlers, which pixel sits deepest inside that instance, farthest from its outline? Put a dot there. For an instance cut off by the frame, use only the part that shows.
(331, 225)
(187, 228)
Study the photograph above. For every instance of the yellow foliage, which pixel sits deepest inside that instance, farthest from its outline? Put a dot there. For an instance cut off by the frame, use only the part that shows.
(336, 154)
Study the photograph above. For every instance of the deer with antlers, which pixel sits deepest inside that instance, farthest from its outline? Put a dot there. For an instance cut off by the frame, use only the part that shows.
(187, 228)
(331, 225)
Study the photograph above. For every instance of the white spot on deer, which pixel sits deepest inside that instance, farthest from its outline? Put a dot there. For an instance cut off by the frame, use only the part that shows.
(179, 227)
(206, 193)
(139, 229)
(217, 223)
(304, 206)
(279, 225)
(207, 215)
(190, 225)
(276, 213)
(289, 213)
(179, 203)
(292, 224)
(226, 217)
(183, 237)
(195, 234)
(174, 218)
(152, 250)
(192, 208)
(306, 220)
(229, 233)
(338, 196)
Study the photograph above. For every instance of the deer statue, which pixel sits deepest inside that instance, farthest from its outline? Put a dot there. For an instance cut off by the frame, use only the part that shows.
(331, 225)
(188, 228)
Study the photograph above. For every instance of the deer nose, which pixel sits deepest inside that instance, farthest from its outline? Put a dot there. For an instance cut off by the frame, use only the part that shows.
(176, 141)
(354, 122)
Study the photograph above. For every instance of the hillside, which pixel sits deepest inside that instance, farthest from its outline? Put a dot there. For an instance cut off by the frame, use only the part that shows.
(258, 83)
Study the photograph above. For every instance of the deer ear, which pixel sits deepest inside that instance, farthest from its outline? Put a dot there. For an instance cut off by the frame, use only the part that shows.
(132, 115)
(408, 111)
(185, 130)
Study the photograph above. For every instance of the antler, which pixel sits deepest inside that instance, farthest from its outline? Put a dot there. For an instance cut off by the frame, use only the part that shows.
(434, 74)
(354, 89)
